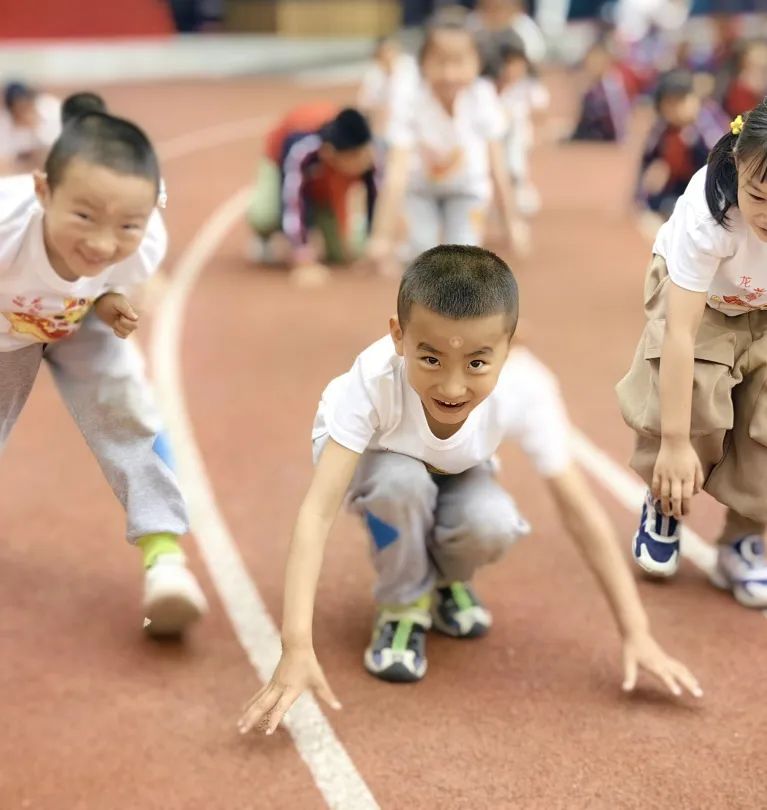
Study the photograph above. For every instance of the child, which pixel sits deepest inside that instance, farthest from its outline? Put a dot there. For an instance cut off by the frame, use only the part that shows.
(29, 124)
(494, 17)
(446, 152)
(300, 209)
(80, 103)
(74, 242)
(606, 105)
(748, 85)
(695, 391)
(409, 433)
(522, 97)
(677, 146)
(391, 71)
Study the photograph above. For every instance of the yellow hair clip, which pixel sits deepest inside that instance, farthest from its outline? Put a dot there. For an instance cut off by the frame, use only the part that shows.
(736, 126)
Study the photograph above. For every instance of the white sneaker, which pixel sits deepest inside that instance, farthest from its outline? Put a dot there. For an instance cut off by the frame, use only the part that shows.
(173, 598)
(741, 567)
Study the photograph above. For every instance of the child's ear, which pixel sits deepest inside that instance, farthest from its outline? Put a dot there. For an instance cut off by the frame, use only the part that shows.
(395, 330)
(42, 189)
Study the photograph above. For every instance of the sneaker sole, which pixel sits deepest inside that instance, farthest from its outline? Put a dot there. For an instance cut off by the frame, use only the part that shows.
(170, 615)
(395, 672)
(740, 594)
(649, 566)
(477, 630)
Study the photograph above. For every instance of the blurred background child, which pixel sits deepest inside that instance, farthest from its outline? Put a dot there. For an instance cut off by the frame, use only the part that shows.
(301, 210)
(391, 69)
(30, 122)
(677, 146)
(446, 152)
(523, 98)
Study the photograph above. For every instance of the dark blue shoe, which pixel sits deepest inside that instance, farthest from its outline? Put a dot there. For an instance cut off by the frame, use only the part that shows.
(656, 543)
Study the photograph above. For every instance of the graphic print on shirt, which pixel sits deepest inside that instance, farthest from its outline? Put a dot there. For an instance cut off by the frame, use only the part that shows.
(750, 300)
(441, 165)
(32, 321)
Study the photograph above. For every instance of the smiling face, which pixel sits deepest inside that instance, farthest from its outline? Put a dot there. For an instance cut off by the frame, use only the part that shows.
(94, 218)
(453, 365)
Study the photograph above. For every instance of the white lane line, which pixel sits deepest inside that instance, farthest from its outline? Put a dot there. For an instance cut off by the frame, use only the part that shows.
(334, 773)
(216, 135)
(629, 491)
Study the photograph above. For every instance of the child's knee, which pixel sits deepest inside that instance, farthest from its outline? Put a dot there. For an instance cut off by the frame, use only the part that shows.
(401, 483)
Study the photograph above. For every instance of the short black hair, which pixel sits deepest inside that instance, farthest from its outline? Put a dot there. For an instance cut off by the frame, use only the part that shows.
(747, 148)
(80, 103)
(498, 48)
(348, 130)
(104, 140)
(459, 282)
(16, 91)
(673, 84)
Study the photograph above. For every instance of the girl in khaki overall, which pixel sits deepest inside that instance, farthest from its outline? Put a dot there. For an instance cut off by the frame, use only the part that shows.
(695, 391)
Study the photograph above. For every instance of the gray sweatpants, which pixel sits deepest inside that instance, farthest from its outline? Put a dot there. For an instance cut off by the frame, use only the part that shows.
(455, 219)
(428, 528)
(100, 378)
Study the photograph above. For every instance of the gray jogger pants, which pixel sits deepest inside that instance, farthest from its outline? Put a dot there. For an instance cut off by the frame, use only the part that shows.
(101, 380)
(428, 528)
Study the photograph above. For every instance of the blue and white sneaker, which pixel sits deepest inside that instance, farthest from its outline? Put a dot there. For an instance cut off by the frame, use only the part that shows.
(397, 650)
(656, 543)
(741, 567)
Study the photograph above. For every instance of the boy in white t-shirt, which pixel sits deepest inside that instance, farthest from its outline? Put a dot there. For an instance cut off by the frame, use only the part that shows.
(695, 394)
(30, 122)
(74, 242)
(408, 436)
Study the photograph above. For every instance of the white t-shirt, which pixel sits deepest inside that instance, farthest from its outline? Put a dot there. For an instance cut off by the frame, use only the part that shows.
(15, 141)
(519, 101)
(373, 407)
(449, 154)
(378, 86)
(728, 264)
(36, 304)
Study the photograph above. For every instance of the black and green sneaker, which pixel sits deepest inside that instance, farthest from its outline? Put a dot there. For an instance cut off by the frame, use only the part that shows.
(457, 612)
(397, 650)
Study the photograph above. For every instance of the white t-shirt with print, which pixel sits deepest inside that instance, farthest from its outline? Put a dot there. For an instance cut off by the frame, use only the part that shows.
(36, 304)
(15, 141)
(728, 264)
(373, 407)
(449, 153)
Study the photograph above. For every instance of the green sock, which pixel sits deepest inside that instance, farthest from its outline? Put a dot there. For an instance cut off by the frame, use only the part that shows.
(153, 545)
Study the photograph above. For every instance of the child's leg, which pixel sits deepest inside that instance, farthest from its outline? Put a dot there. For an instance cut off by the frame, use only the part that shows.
(477, 521)
(424, 219)
(265, 205)
(465, 217)
(397, 497)
(18, 371)
(101, 380)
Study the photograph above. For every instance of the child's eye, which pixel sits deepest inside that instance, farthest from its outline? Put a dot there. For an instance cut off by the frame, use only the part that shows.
(755, 197)
(477, 364)
(130, 227)
(82, 215)
(430, 361)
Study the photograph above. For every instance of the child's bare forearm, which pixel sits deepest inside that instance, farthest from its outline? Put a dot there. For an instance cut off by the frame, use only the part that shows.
(593, 533)
(685, 311)
(501, 182)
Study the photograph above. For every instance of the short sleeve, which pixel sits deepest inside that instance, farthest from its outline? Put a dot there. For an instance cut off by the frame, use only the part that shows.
(401, 129)
(142, 265)
(542, 429)
(694, 246)
(490, 114)
(347, 412)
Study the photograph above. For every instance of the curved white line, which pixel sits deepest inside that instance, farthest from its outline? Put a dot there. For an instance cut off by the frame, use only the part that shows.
(333, 771)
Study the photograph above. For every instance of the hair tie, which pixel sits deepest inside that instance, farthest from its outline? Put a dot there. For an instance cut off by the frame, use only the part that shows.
(736, 125)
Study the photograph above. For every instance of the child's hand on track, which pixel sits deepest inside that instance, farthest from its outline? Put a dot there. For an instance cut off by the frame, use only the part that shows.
(115, 310)
(643, 651)
(677, 476)
(297, 671)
